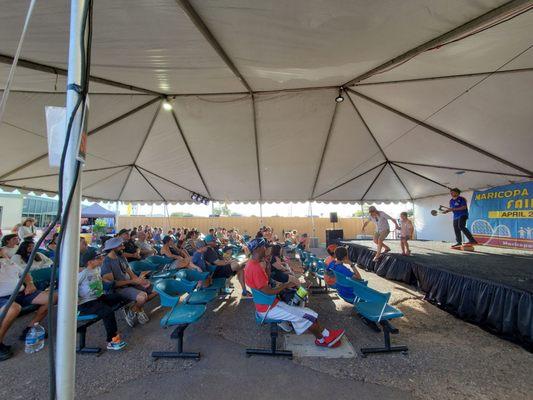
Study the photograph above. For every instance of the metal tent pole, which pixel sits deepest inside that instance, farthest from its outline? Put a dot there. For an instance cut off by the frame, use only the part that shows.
(261, 212)
(312, 219)
(70, 250)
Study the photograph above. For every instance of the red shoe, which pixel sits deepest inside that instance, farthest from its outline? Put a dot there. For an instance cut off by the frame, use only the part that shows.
(334, 337)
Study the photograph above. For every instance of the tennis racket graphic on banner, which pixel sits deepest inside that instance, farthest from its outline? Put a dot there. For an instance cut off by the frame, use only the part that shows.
(484, 228)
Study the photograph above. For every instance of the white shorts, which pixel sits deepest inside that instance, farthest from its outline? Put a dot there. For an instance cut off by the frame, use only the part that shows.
(301, 318)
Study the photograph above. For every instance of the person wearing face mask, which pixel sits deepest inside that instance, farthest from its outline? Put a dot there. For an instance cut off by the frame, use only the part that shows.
(117, 272)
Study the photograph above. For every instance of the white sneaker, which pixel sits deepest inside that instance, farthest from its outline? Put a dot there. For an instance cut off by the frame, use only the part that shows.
(142, 317)
(286, 326)
(129, 316)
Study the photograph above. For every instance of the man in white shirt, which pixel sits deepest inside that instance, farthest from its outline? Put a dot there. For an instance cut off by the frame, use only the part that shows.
(28, 294)
(146, 248)
(381, 220)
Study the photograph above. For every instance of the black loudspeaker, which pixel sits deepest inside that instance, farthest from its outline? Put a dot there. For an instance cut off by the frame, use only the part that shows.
(333, 236)
(333, 218)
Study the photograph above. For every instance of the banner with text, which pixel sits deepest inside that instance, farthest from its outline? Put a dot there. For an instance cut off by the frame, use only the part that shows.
(503, 216)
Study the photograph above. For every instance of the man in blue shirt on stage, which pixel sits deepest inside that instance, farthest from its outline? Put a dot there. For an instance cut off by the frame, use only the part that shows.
(460, 215)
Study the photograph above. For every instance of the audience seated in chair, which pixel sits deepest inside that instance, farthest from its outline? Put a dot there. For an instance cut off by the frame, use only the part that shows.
(93, 300)
(131, 250)
(22, 256)
(344, 266)
(129, 286)
(331, 257)
(28, 295)
(86, 252)
(225, 268)
(181, 258)
(145, 248)
(10, 245)
(279, 269)
(303, 319)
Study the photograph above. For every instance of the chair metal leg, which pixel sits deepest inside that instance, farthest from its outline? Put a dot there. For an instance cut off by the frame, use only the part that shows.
(81, 348)
(179, 353)
(320, 288)
(387, 330)
(273, 352)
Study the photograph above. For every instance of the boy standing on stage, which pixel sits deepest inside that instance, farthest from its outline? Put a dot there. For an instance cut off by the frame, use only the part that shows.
(460, 215)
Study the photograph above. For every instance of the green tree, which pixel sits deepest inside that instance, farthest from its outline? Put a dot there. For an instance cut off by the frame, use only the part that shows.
(100, 227)
(181, 214)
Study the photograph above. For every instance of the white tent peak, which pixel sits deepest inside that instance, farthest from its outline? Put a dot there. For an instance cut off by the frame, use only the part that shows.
(427, 91)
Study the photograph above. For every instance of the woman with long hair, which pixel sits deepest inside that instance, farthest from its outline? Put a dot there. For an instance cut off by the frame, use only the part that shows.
(22, 256)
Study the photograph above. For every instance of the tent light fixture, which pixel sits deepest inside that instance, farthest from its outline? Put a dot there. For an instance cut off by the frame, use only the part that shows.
(339, 98)
(167, 106)
(199, 198)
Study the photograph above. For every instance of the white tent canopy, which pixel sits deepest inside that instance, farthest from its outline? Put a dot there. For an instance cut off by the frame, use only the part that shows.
(436, 94)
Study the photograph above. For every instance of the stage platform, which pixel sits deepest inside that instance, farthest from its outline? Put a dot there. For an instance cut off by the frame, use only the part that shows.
(491, 287)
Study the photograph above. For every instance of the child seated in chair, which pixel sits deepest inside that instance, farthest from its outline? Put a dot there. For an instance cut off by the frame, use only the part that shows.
(92, 300)
(302, 318)
(344, 266)
(331, 257)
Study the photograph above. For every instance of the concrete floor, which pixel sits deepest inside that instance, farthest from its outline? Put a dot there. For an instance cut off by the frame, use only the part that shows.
(447, 359)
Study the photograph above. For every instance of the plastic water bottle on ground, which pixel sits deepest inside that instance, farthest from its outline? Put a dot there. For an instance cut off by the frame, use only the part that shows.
(34, 339)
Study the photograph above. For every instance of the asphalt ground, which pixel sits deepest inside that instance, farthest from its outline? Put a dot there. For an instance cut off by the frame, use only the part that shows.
(510, 267)
(447, 359)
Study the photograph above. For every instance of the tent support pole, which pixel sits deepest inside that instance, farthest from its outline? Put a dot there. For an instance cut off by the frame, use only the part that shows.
(105, 178)
(261, 212)
(324, 149)
(434, 78)
(256, 141)
(65, 363)
(125, 182)
(374, 181)
(95, 130)
(492, 16)
(151, 185)
(182, 135)
(312, 218)
(461, 169)
(351, 179)
(49, 175)
(377, 144)
(442, 133)
(22, 63)
(165, 179)
(208, 35)
(421, 176)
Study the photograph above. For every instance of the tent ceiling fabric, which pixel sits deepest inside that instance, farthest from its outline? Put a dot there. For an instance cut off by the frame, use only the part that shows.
(285, 139)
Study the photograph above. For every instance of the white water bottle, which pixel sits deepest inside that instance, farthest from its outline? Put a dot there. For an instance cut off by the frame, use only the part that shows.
(34, 339)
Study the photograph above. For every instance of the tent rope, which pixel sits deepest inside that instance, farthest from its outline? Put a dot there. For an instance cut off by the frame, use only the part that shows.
(11, 75)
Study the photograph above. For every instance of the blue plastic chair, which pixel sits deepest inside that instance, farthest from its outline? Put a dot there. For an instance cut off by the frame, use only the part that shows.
(48, 253)
(142, 265)
(268, 300)
(188, 279)
(41, 277)
(159, 260)
(180, 315)
(81, 348)
(374, 307)
(343, 281)
(218, 284)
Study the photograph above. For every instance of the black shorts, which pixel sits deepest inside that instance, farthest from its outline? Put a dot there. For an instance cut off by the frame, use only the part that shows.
(223, 271)
(24, 300)
(279, 276)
